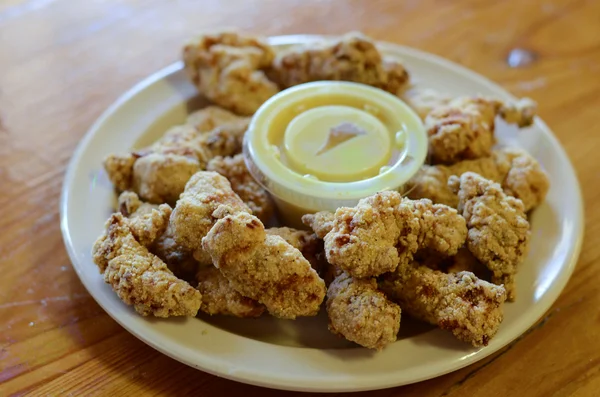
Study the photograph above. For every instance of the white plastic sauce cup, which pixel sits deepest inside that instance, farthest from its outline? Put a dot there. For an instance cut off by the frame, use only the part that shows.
(323, 145)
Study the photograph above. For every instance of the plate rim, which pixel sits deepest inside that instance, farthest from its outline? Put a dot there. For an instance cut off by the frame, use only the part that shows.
(279, 382)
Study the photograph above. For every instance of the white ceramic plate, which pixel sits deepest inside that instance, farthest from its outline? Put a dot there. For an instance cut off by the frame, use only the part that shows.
(302, 354)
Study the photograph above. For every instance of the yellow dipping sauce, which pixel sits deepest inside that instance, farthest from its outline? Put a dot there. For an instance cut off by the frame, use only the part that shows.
(337, 144)
(319, 146)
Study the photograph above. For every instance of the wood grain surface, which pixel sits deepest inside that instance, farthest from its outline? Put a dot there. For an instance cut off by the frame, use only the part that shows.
(62, 62)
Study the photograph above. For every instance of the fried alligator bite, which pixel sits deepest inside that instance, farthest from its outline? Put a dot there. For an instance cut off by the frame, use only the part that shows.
(192, 217)
(518, 172)
(228, 69)
(235, 170)
(140, 278)
(498, 228)
(353, 57)
(264, 267)
(385, 229)
(361, 313)
(459, 302)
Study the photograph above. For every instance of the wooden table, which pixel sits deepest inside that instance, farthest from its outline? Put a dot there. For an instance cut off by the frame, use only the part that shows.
(62, 62)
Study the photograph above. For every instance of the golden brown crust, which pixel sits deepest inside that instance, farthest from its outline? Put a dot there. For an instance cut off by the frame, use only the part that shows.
(468, 307)
(463, 129)
(235, 170)
(498, 228)
(361, 313)
(384, 230)
(193, 217)
(352, 57)
(160, 178)
(140, 278)
(307, 243)
(146, 221)
(162, 243)
(227, 68)
(158, 173)
(219, 297)
(424, 100)
(264, 267)
(211, 117)
(321, 222)
(519, 173)
(119, 168)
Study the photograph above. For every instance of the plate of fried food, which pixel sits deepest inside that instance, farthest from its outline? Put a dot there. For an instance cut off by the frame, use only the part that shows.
(321, 213)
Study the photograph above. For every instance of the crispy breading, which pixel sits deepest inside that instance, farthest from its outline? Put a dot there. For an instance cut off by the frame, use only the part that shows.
(526, 180)
(352, 57)
(424, 100)
(498, 228)
(193, 217)
(211, 117)
(140, 278)
(321, 222)
(459, 302)
(228, 69)
(385, 229)
(146, 221)
(158, 173)
(178, 259)
(307, 243)
(516, 170)
(119, 168)
(160, 178)
(235, 170)
(219, 297)
(264, 267)
(361, 313)
(464, 128)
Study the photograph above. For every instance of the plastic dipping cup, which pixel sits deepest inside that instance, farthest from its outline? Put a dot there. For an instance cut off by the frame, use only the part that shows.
(320, 146)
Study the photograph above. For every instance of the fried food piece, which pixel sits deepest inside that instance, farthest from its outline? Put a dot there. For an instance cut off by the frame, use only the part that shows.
(264, 267)
(498, 228)
(361, 313)
(119, 168)
(307, 243)
(384, 230)
(352, 57)
(228, 69)
(464, 128)
(424, 100)
(193, 217)
(526, 180)
(129, 204)
(158, 173)
(211, 117)
(461, 303)
(516, 170)
(321, 222)
(160, 178)
(235, 170)
(219, 297)
(140, 278)
(147, 222)
(179, 260)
